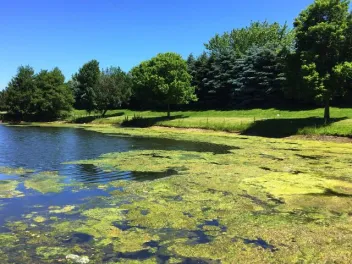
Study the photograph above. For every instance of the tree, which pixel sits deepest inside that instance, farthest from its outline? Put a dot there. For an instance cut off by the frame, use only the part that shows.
(200, 70)
(84, 83)
(2, 100)
(112, 90)
(259, 75)
(220, 78)
(163, 79)
(258, 34)
(21, 91)
(323, 44)
(42, 96)
(53, 98)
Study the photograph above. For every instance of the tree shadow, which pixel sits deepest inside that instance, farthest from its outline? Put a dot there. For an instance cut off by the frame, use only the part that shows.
(91, 118)
(279, 128)
(139, 121)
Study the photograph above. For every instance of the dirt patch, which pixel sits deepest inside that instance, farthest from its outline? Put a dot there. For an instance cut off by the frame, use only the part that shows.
(336, 139)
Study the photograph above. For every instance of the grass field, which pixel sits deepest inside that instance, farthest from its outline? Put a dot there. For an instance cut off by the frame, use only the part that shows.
(268, 122)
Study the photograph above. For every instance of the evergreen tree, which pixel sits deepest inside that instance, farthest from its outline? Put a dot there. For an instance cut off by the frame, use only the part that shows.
(259, 75)
(21, 92)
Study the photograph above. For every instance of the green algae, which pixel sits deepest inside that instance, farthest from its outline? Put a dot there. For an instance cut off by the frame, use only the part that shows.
(39, 219)
(45, 182)
(281, 205)
(52, 253)
(8, 189)
(61, 210)
(14, 171)
(259, 203)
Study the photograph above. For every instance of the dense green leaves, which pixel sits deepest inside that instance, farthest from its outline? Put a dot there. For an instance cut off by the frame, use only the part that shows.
(21, 92)
(163, 79)
(321, 34)
(42, 96)
(259, 34)
(53, 98)
(2, 101)
(113, 89)
(259, 76)
(84, 84)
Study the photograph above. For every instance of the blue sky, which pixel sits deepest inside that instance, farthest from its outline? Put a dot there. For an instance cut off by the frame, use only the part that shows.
(68, 33)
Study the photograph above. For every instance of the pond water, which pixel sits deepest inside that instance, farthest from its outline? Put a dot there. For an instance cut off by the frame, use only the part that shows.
(42, 150)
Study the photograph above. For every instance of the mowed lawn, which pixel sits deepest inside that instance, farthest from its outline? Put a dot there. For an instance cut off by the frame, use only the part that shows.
(268, 122)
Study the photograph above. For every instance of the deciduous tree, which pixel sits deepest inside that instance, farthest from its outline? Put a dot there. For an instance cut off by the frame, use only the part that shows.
(323, 44)
(163, 79)
(84, 83)
(113, 89)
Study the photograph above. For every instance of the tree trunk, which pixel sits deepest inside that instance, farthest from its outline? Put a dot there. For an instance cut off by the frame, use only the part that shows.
(104, 113)
(168, 111)
(327, 112)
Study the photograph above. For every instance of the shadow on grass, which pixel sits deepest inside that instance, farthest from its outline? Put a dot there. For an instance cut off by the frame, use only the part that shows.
(89, 119)
(138, 121)
(279, 128)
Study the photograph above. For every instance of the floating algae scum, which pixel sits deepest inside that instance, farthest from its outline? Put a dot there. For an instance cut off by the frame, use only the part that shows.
(237, 200)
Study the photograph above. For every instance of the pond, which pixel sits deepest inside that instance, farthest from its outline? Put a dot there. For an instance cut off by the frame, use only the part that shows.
(35, 174)
(76, 196)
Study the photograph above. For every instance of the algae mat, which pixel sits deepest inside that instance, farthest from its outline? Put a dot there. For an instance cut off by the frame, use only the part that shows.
(261, 201)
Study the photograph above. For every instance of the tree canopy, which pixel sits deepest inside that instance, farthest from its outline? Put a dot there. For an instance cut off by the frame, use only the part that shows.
(84, 84)
(259, 34)
(43, 96)
(113, 89)
(2, 101)
(323, 44)
(163, 79)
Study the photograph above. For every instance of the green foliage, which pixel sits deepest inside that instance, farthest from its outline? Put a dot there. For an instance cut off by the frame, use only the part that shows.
(199, 68)
(321, 34)
(219, 80)
(84, 84)
(3, 100)
(259, 76)
(258, 34)
(163, 79)
(54, 97)
(113, 89)
(42, 96)
(20, 92)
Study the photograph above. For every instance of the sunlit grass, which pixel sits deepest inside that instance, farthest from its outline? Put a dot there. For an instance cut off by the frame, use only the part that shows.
(274, 122)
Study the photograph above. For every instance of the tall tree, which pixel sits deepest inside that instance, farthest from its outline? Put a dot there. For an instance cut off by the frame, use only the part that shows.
(220, 78)
(84, 83)
(200, 70)
(258, 34)
(323, 43)
(164, 79)
(259, 76)
(2, 100)
(21, 91)
(113, 89)
(53, 98)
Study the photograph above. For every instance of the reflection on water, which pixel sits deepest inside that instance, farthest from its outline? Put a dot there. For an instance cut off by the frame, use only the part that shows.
(47, 150)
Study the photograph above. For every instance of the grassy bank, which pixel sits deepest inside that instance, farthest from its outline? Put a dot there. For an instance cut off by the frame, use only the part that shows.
(268, 122)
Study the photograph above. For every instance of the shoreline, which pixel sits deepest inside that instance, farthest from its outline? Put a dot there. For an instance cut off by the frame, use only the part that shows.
(178, 132)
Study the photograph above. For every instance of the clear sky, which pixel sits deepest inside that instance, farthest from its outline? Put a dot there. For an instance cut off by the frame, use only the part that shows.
(68, 33)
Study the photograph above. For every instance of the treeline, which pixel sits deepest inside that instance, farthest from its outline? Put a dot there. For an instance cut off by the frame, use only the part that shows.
(264, 64)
